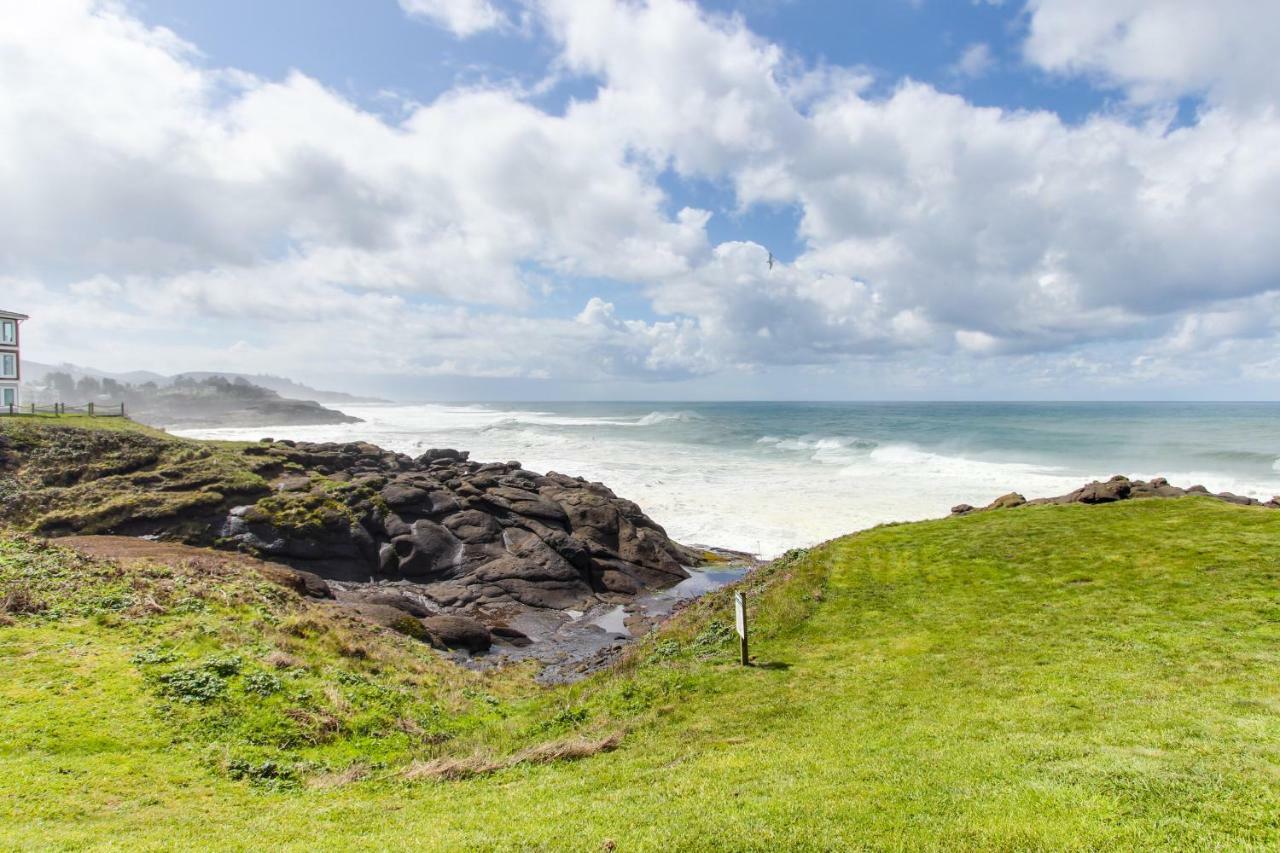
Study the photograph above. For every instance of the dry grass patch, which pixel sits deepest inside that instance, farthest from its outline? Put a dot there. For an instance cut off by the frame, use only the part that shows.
(568, 749)
(339, 778)
(21, 600)
(283, 660)
(450, 768)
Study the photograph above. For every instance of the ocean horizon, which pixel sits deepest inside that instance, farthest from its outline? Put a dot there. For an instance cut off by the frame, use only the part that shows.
(764, 477)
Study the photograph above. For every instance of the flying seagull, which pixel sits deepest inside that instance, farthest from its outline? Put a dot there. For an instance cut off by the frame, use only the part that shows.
(771, 260)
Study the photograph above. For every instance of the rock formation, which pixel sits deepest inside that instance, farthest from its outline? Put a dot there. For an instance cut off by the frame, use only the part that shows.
(466, 535)
(1118, 488)
(437, 547)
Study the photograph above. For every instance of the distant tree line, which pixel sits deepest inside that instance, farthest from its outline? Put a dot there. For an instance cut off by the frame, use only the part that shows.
(67, 389)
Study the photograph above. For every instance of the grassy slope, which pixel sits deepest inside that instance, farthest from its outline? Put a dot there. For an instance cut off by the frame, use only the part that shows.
(89, 474)
(1052, 677)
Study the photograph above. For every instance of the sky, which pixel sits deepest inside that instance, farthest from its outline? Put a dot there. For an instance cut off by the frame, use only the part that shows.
(580, 199)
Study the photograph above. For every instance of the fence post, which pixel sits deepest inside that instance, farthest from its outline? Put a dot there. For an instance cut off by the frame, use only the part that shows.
(122, 409)
(91, 410)
(740, 620)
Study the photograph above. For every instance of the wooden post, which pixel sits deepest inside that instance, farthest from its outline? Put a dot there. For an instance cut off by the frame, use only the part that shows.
(91, 410)
(740, 614)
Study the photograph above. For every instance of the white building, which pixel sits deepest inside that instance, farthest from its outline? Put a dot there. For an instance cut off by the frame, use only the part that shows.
(10, 362)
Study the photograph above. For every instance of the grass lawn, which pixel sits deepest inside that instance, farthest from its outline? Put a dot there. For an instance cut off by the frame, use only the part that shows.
(1042, 678)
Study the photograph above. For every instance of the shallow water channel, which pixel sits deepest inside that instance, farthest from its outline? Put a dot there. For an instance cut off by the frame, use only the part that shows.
(575, 643)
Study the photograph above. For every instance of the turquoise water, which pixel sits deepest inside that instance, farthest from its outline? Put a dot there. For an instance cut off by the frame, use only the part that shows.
(763, 477)
(1240, 439)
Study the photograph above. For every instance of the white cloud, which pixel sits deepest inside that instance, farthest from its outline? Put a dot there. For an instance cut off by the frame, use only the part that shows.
(1165, 49)
(975, 61)
(461, 17)
(1009, 224)
(280, 214)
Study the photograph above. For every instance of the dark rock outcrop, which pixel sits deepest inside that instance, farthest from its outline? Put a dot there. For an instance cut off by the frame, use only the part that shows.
(1115, 489)
(457, 632)
(470, 536)
(303, 583)
(1007, 501)
(395, 539)
(1118, 488)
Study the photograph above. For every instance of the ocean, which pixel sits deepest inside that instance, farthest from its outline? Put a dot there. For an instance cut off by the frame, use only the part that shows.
(765, 477)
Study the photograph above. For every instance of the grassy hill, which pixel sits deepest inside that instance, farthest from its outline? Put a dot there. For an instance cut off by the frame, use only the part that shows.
(1051, 677)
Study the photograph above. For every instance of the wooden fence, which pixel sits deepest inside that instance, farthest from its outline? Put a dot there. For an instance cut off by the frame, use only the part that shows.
(93, 410)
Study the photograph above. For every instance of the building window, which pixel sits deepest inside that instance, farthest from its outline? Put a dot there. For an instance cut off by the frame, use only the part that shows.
(8, 366)
(10, 397)
(8, 332)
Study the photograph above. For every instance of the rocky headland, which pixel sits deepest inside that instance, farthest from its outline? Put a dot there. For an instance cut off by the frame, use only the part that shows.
(187, 401)
(456, 552)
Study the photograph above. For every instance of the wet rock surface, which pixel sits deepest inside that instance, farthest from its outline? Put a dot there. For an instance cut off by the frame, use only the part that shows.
(572, 644)
(469, 536)
(465, 556)
(1118, 488)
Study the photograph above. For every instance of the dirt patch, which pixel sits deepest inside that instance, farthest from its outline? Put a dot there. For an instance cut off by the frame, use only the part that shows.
(201, 560)
(126, 548)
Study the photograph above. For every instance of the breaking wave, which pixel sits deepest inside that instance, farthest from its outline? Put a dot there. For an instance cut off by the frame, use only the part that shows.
(654, 418)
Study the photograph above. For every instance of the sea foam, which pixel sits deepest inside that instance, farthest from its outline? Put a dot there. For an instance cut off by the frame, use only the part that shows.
(726, 477)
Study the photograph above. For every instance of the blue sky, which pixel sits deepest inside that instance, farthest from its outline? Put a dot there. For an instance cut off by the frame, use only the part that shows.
(1027, 199)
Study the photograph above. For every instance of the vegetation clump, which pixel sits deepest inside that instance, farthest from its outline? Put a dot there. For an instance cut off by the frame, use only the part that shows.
(115, 476)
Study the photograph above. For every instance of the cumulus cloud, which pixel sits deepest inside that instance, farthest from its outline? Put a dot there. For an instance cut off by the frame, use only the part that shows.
(461, 17)
(975, 61)
(1224, 48)
(1013, 228)
(144, 190)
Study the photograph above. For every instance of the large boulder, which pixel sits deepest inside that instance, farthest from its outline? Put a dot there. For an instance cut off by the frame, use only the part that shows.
(428, 551)
(390, 617)
(1115, 489)
(1013, 499)
(527, 504)
(399, 495)
(438, 454)
(472, 525)
(457, 632)
(385, 597)
(303, 583)
(1157, 487)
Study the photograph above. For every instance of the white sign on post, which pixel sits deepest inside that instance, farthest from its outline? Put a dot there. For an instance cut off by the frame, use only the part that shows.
(740, 616)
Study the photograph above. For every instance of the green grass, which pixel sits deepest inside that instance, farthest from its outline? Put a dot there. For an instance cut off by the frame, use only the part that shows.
(92, 475)
(1048, 678)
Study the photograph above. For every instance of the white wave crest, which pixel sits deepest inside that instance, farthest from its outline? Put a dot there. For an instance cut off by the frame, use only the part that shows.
(663, 417)
(839, 449)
